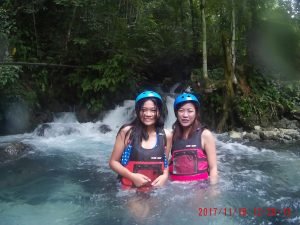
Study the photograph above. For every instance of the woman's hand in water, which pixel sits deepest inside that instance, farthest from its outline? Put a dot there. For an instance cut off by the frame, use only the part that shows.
(160, 181)
(139, 179)
(213, 179)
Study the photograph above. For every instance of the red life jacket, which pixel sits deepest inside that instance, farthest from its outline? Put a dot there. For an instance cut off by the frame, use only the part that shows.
(149, 162)
(188, 160)
(149, 169)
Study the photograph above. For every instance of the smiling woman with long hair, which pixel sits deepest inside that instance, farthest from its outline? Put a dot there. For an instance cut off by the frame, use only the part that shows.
(140, 153)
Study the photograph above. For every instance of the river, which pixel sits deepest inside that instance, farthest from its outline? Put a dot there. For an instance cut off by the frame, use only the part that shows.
(65, 180)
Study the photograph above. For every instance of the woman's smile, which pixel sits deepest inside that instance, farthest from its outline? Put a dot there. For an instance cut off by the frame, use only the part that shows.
(148, 113)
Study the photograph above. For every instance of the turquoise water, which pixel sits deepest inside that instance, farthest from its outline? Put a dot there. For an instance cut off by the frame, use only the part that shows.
(65, 180)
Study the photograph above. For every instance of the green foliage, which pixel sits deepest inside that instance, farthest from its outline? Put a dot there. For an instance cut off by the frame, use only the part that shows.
(215, 102)
(266, 103)
(9, 75)
(7, 25)
(76, 3)
(216, 74)
(16, 92)
(80, 41)
(95, 105)
(112, 73)
(110, 77)
(114, 43)
(41, 80)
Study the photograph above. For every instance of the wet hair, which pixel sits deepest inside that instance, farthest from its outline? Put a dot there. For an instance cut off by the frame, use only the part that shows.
(138, 129)
(177, 127)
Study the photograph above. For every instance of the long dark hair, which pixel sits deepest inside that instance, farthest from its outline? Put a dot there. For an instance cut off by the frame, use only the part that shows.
(138, 129)
(178, 129)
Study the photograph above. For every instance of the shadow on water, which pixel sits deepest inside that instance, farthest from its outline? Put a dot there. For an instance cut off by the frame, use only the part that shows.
(47, 170)
(64, 182)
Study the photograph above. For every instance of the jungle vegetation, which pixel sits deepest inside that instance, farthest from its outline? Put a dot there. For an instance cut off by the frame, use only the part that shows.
(242, 57)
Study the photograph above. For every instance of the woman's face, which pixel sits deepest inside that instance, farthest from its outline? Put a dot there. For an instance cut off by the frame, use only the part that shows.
(186, 114)
(149, 113)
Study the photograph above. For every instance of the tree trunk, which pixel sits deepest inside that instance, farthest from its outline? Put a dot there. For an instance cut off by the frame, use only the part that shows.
(229, 92)
(183, 32)
(35, 32)
(194, 30)
(204, 50)
(233, 30)
(70, 28)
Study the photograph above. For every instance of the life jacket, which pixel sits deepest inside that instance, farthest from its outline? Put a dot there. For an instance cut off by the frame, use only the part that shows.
(188, 159)
(149, 162)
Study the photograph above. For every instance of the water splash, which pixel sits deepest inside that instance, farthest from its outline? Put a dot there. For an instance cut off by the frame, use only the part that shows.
(120, 115)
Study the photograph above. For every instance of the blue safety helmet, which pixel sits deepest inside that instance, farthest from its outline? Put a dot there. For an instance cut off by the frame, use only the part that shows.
(148, 94)
(185, 97)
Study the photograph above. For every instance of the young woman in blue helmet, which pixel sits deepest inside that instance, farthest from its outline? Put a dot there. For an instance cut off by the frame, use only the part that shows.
(193, 153)
(140, 153)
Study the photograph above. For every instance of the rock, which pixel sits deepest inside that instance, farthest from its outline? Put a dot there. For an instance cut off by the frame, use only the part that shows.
(268, 135)
(54, 130)
(69, 130)
(284, 141)
(84, 115)
(257, 132)
(296, 114)
(287, 124)
(293, 125)
(40, 130)
(287, 137)
(257, 128)
(251, 136)
(104, 129)
(235, 135)
(14, 151)
(42, 117)
(284, 131)
(281, 134)
(290, 132)
(240, 129)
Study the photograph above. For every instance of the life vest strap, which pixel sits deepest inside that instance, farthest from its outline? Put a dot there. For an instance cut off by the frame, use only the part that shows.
(201, 176)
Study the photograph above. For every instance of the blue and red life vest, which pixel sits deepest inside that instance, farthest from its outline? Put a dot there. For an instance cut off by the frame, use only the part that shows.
(188, 159)
(149, 162)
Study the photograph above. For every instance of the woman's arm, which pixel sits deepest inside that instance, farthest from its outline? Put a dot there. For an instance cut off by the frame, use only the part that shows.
(117, 152)
(209, 145)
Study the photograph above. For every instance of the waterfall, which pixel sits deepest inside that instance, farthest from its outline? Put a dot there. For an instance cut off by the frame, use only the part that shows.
(65, 117)
(66, 123)
(170, 119)
(120, 115)
(173, 88)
